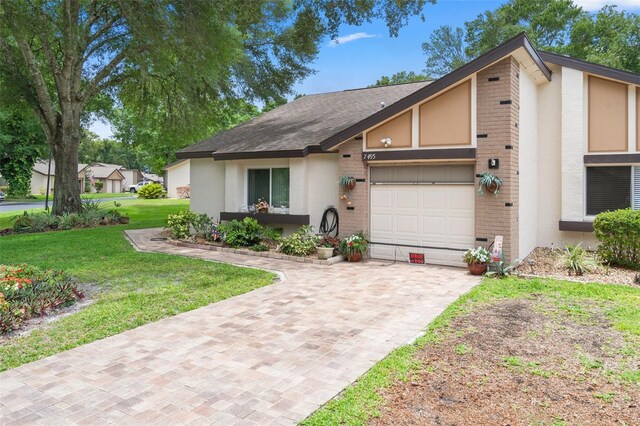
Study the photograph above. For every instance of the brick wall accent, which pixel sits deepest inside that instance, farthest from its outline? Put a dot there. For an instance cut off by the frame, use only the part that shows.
(497, 117)
(356, 219)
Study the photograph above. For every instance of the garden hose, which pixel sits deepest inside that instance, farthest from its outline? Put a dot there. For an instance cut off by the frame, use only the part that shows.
(327, 229)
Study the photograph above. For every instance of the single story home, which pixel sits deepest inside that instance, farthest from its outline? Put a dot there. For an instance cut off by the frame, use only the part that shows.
(562, 134)
(111, 178)
(40, 171)
(177, 178)
(131, 176)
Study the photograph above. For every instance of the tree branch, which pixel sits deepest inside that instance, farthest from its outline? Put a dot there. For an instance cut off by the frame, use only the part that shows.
(97, 81)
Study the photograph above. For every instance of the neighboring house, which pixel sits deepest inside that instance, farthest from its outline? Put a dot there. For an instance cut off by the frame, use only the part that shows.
(111, 178)
(131, 176)
(563, 135)
(39, 175)
(177, 175)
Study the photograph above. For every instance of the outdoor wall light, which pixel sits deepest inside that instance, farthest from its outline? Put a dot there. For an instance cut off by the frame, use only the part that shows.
(386, 142)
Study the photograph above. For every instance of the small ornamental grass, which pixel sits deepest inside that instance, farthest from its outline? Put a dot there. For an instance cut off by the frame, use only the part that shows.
(26, 291)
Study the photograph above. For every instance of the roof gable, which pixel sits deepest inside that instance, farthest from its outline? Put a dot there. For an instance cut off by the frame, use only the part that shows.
(518, 42)
(590, 67)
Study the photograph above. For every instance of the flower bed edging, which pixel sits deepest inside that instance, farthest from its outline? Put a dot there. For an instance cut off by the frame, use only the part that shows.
(267, 254)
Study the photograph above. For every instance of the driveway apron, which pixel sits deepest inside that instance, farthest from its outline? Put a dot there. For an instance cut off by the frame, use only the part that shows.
(270, 356)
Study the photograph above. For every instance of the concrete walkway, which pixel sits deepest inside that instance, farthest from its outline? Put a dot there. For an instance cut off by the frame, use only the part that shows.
(271, 356)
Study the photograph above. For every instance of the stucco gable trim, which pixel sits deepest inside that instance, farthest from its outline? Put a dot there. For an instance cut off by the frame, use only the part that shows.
(481, 62)
(590, 67)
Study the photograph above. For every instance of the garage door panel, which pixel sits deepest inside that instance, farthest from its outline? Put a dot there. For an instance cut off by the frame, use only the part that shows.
(406, 223)
(382, 198)
(439, 216)
(407, 199)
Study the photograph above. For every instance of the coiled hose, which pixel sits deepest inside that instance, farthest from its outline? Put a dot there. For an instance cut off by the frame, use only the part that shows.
(325, 227)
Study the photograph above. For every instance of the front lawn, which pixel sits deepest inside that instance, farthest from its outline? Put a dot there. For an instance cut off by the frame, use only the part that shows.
(510, 351)
(88, 196)
(130, 288)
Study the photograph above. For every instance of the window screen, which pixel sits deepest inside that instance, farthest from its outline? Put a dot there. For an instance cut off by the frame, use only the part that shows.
(636, 187)
(608, 188)
(258, 185)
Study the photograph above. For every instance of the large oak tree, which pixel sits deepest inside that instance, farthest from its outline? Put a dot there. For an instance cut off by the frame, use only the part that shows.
(178, 58)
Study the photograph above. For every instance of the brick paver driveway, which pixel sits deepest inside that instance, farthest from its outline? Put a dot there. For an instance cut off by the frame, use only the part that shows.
(271, 356)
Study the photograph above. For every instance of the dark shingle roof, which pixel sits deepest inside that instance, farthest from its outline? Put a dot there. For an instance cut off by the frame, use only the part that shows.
(302, 123)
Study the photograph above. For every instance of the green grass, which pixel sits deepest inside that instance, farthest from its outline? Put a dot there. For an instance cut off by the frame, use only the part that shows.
(361, 401)
(135, 288)
(40, 197)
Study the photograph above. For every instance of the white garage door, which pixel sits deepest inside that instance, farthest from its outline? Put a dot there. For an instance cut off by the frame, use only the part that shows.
(436, 220)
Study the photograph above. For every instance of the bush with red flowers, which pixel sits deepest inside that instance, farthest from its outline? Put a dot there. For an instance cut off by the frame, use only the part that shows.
(26, 291)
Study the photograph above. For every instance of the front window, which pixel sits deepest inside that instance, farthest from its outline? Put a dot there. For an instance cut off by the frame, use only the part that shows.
(271, 185)
(610, 188)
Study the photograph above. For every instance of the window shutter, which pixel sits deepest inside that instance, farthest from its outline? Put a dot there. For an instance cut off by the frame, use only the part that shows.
(636, 188)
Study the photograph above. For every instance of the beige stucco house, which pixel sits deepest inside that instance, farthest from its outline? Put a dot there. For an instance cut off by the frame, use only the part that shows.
(39, 174)
(562, 134)
(177, 177)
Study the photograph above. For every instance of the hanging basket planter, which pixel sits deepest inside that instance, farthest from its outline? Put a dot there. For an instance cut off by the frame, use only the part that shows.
(348, 182)
(490, 182)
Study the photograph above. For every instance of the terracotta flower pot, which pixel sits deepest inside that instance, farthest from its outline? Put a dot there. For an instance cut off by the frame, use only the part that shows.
(352, 184)
(492, 188)
(477, 268)
(355, 257)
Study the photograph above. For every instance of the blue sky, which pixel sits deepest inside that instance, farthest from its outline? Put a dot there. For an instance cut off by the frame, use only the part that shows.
(367, 52)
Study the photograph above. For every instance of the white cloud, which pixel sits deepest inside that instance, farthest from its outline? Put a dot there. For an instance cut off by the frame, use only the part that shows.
(592, 5)
(349, 38)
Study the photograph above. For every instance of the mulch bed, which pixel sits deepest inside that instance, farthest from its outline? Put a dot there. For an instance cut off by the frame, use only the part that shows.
(546, 262)
(469, 379)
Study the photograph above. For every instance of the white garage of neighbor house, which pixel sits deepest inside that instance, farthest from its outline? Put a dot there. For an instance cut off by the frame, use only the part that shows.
(562, 134)
(177, 178)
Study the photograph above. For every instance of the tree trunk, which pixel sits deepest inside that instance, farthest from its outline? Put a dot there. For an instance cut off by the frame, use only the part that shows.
(66, 196)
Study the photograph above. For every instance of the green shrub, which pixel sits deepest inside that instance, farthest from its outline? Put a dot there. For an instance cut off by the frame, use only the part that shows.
(69, 221)
(23, 222)
(203, 226)
(300, 243)
(180, 223)
(619, 235)
(26, 291)
(245, 233)
(259, 247)
(152, 190)
(99, 185)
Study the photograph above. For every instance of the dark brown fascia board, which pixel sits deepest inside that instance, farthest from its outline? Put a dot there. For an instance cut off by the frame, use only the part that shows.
(612, 158)
(272, 218)
(442, 83)
(285, 153)
(421, 154)
(575, 226)
(184, 155)
(590, 67)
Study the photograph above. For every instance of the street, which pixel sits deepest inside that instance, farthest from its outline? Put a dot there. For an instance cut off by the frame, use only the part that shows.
(9, 206)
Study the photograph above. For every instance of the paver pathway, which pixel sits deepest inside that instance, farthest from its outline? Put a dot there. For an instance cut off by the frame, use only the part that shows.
(270, 356)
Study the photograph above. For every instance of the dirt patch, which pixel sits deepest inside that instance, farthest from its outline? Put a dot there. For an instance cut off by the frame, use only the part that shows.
(37, 323)
(546, 262)
(521, 362)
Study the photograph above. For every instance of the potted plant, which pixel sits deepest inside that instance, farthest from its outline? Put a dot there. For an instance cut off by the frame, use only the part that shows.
(348, 182)
(262, 206)
(490, 182)
(477, 260)
(354, 246)
(324, 250)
